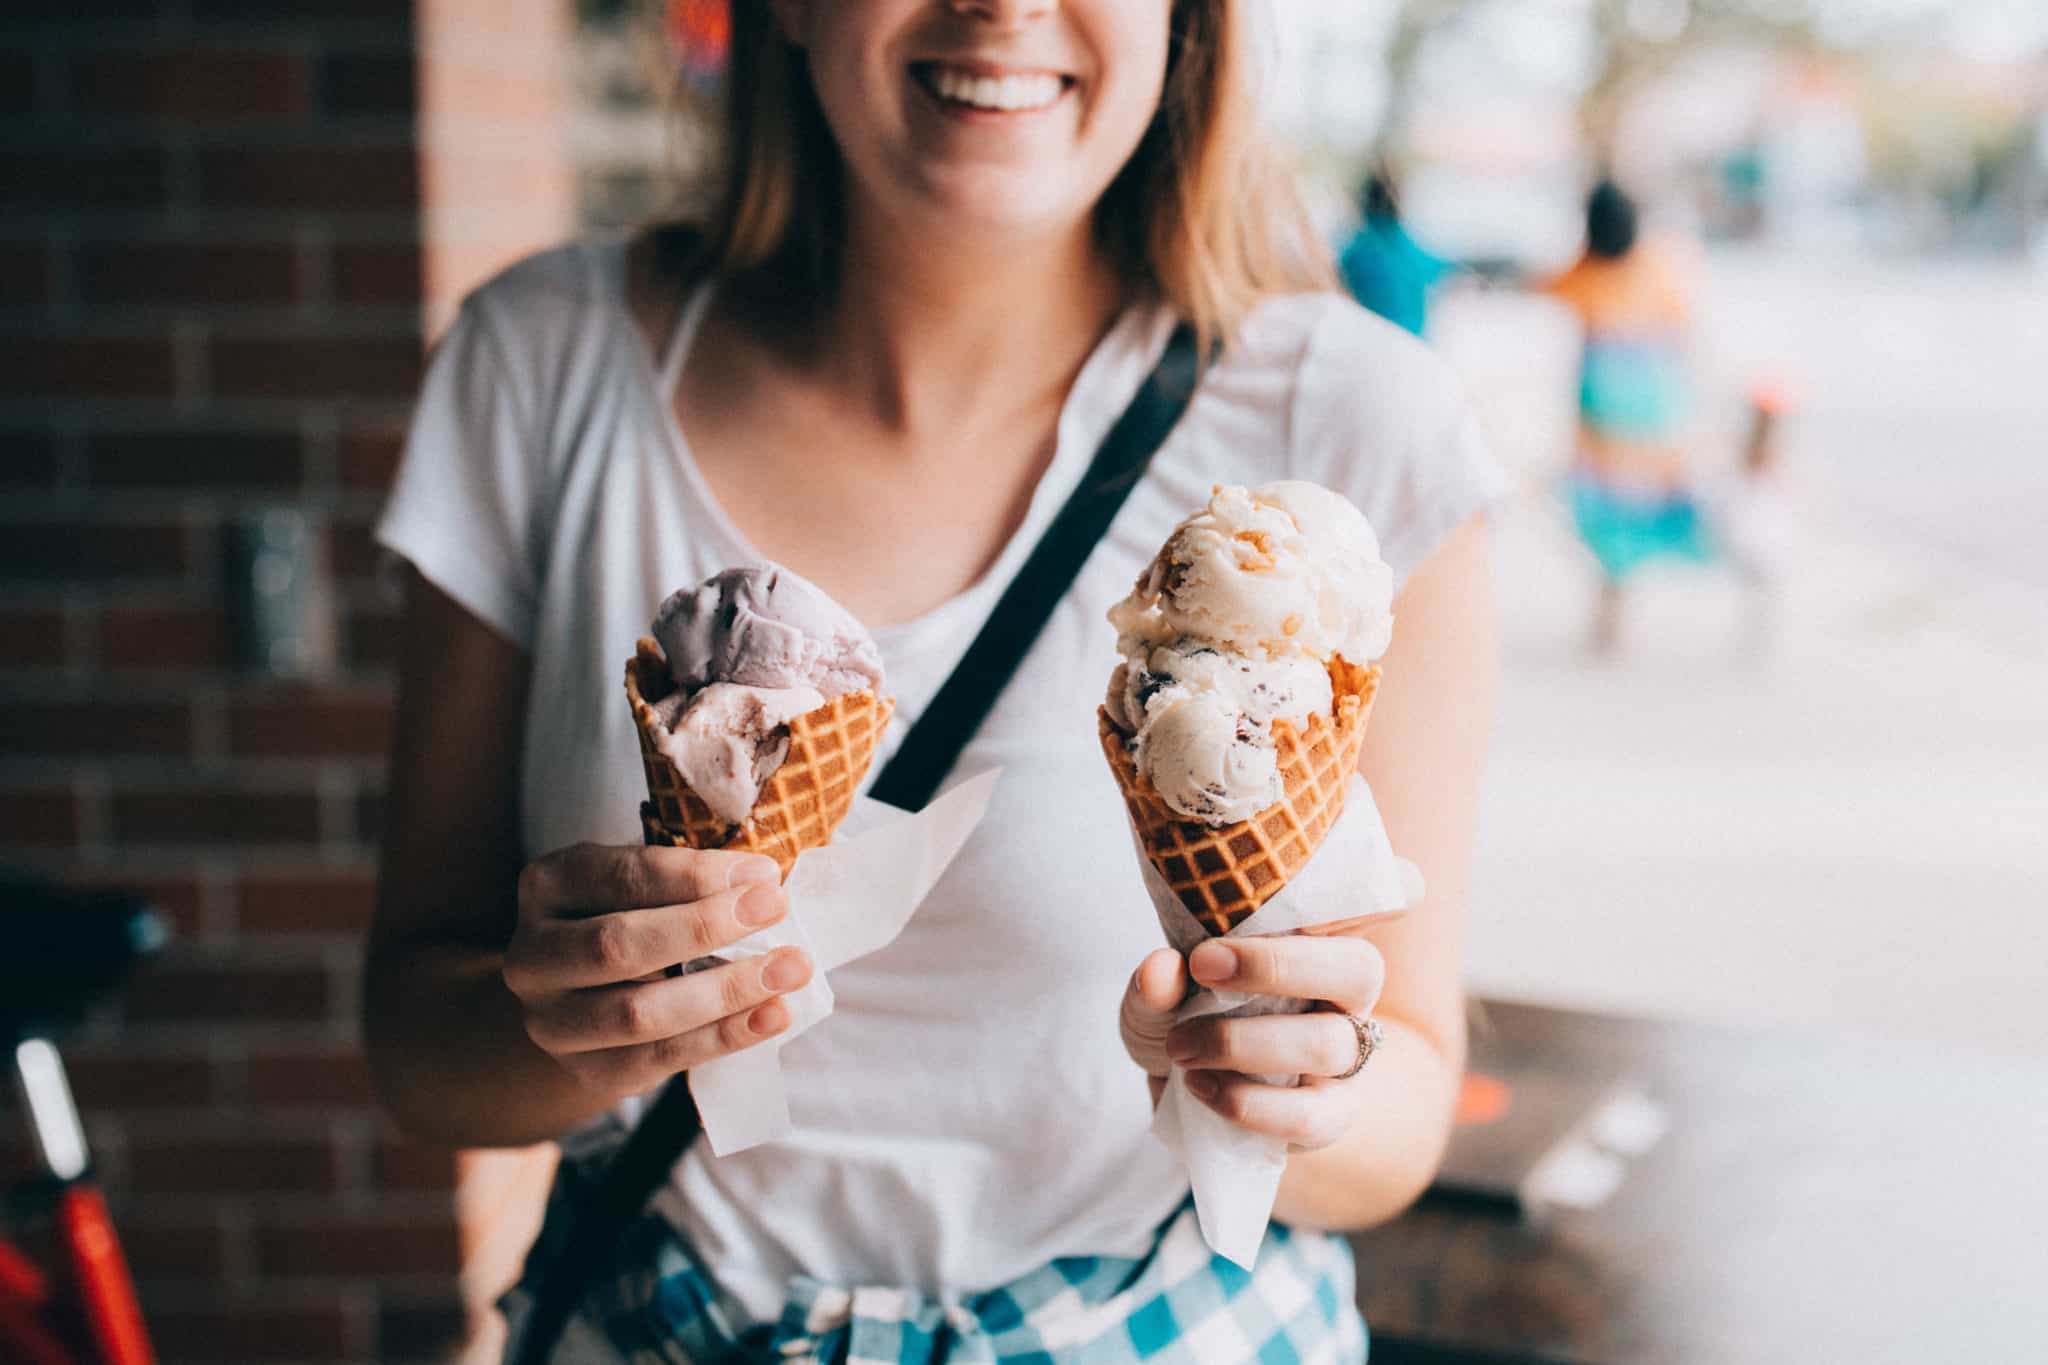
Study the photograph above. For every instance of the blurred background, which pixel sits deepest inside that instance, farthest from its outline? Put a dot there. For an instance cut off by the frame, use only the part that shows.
(1801, 786)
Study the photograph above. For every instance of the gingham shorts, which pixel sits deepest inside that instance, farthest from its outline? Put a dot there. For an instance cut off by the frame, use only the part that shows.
(1177, 1305)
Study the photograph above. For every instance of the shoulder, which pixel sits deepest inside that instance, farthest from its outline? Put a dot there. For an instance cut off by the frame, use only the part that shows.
(551, 294)
(1376, 414)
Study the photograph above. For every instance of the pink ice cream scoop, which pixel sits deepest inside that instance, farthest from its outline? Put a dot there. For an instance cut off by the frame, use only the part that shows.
(765, 627)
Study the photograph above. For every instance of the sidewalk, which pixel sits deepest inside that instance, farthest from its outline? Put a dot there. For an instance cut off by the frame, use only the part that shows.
(1851, 832)
(1847, 834)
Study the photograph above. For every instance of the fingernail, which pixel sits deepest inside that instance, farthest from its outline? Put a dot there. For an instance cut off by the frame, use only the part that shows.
(761, 905)
(1180, 1046)
(1213, 962)
(768, 1019)
(786, 971)
(754, 868)
(1202, 1085)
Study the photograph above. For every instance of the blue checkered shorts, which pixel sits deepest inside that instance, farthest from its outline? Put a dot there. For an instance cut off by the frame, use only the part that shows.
(1177, 1305)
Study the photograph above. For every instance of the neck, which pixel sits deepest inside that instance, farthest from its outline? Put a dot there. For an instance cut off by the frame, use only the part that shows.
(948, 336)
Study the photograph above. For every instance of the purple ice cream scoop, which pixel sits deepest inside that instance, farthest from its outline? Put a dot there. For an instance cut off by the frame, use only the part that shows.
(765, 627)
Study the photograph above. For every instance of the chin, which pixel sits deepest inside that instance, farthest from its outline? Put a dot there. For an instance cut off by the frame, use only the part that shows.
(1006, 202)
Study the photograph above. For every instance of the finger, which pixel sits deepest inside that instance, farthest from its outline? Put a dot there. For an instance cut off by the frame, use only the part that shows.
(646, 1012)
(621, 945)
(1347, 972)
(1318, 1043)
(1306, 1116)
(586, 879)
(1155, 988)
(630, 1070)
(1162, 980)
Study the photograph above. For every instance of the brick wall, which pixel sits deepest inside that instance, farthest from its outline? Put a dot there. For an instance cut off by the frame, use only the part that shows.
(226, 233)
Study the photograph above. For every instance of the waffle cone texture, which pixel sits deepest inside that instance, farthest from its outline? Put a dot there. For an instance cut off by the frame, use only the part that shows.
(801, 803)
(1223, 873)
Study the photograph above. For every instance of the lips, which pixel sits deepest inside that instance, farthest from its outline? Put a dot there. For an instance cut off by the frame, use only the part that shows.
(990, 89)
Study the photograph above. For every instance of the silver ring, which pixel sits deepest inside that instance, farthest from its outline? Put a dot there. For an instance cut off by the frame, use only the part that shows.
(1370, 1036)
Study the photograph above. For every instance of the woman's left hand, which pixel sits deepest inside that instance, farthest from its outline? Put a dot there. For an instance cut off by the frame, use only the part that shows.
(1222, 1055)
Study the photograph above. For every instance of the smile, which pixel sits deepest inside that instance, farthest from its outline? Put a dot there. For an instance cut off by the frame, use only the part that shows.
(1017, 92)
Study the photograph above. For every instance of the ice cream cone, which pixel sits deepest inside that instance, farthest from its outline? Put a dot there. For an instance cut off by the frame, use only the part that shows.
(1223, 873)
(801, 803)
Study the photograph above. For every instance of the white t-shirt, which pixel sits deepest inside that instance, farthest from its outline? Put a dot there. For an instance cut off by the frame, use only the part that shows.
(967, 1113)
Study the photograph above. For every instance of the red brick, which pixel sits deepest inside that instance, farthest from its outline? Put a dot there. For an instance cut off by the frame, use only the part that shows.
(304, 723)
(353, 177)
(414, 1166)
(178, 898)
(188, 272)
(196, 458)
(170, 1250)
(228, 993)
(336, 902)
(31, 637)
(74, 177)
(378, 272)
(93, 551)
(170, 637)
(370, 638)
(316, 367)
(266, 1165)
(39, 818)
(24, 271)
(96, 727)
(87, 367)
(263, 1331)
(369, 82)
(107, 1084)
(359, 1245)
(193, 84)
(326, 1079)
(420, 1329)
(216, 815)
(370, 456)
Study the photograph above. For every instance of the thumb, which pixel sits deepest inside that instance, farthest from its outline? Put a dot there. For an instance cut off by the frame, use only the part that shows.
(1155, 990)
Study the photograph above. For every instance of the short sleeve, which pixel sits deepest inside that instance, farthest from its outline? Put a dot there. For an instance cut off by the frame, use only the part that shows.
(1379, 417)
(463, 508)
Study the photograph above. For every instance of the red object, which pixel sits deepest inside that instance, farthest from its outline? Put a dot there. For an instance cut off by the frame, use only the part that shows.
(24, 1290)
(106, 1294)
(1482, 1099)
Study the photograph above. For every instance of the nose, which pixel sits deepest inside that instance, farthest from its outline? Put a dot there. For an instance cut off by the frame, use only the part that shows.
(1003, 12)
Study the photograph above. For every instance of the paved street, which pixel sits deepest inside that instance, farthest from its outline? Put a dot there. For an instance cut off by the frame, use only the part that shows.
(1849, 831)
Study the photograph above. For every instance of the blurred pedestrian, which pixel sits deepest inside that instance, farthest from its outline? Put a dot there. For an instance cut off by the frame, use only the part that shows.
(1628, 490)
(1384, 268)
(1755, 526)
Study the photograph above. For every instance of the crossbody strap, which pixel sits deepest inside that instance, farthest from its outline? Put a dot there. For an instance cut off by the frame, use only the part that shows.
(909, 780)
(912, 777)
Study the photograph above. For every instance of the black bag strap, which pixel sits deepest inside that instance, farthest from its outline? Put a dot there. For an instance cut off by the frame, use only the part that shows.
(912, 777)
(909, 780)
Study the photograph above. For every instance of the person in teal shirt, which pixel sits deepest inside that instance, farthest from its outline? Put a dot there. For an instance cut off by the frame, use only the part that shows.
(1384, 268)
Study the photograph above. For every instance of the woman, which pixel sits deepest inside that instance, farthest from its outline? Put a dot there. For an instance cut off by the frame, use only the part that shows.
(951, 243)
(1628, 489)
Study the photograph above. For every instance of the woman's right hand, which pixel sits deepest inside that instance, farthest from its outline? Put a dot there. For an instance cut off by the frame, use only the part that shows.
(599, 927)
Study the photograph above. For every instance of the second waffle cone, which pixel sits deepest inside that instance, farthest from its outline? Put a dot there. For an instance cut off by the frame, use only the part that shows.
(801, 803)
(1223, 873)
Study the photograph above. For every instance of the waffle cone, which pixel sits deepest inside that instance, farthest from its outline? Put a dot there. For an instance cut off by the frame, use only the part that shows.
(801, 803)
(1222, 873)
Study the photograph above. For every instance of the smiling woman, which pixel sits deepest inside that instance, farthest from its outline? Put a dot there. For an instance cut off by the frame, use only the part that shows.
(952, 240)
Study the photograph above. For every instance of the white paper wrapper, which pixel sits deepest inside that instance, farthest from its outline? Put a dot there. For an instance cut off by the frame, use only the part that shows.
(845, 900)
(1235, 1173)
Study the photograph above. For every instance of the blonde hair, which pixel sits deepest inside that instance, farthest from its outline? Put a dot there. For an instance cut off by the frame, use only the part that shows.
(1202, 215)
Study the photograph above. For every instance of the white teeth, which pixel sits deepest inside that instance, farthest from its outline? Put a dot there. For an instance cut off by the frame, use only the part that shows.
(1007, 93)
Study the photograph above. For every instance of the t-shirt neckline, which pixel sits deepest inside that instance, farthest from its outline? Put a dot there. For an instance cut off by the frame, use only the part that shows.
(1080, 428)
